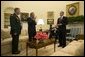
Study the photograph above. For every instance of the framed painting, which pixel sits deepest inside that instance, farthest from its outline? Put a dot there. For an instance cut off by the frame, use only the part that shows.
(72, 9)
(50, 21)
(24, 17)
(50, 17)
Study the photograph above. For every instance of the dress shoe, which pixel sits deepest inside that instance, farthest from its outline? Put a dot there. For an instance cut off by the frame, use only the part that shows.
(63, 46)
(17, 52)
(59, 46)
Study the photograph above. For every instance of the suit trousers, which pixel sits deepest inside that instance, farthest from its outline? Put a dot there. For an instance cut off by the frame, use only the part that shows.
(62, 38)
(15, 41)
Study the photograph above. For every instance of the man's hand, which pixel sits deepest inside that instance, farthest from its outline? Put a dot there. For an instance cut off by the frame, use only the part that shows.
(56, 26)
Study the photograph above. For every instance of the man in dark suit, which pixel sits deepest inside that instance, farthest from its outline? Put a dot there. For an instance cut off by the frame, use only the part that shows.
(31, 26)
(16, 27)
(62, 22)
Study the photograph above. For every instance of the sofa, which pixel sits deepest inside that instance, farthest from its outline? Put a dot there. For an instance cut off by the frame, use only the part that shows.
(75, 48)
(6, 41)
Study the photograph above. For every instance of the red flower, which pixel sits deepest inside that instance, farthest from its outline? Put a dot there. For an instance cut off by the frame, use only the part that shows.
(41, 35)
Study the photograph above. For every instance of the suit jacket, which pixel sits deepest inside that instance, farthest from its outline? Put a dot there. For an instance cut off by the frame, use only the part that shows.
(64, 22)
(15, 24)
(31, 26)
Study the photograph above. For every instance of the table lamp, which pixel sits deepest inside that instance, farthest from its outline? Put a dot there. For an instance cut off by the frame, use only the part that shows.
(40, 22)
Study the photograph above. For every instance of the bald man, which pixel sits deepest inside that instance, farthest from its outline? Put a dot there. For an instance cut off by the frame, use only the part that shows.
(62, 22)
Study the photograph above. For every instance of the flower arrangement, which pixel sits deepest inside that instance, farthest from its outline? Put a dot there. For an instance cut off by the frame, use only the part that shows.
(41, 36)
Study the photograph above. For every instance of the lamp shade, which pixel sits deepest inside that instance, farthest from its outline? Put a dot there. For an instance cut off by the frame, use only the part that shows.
(40, 22)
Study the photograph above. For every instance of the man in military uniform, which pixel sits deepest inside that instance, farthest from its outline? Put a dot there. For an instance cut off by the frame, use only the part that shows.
(16, 27)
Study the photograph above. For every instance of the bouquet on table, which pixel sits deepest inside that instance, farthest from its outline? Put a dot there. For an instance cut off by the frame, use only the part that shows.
(41, 36)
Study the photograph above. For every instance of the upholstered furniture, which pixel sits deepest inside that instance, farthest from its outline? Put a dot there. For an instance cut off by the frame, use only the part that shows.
(6, 41)
(80, 37)
(74, 32)
(75, 48)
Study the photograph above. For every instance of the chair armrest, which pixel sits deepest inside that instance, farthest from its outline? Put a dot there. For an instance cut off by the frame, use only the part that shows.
(80, 36)
(68, 34)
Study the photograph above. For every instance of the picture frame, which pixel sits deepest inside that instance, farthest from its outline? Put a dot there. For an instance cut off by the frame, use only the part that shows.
(50, 21)
(72, 9)
(24, 17)
(50, 17)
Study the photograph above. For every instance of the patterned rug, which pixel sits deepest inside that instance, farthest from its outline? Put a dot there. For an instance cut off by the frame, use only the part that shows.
(45, 51)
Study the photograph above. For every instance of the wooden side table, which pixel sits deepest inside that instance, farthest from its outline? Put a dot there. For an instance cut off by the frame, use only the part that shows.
(80, 36)
(36, 45)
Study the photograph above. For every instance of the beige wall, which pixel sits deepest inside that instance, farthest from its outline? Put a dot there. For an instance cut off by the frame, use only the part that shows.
(40, 8)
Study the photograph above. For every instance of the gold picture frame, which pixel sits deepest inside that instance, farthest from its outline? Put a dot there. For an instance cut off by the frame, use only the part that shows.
(7, 20)
(50, 21)
(24, 17)
(72, 9)
(50, 17)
